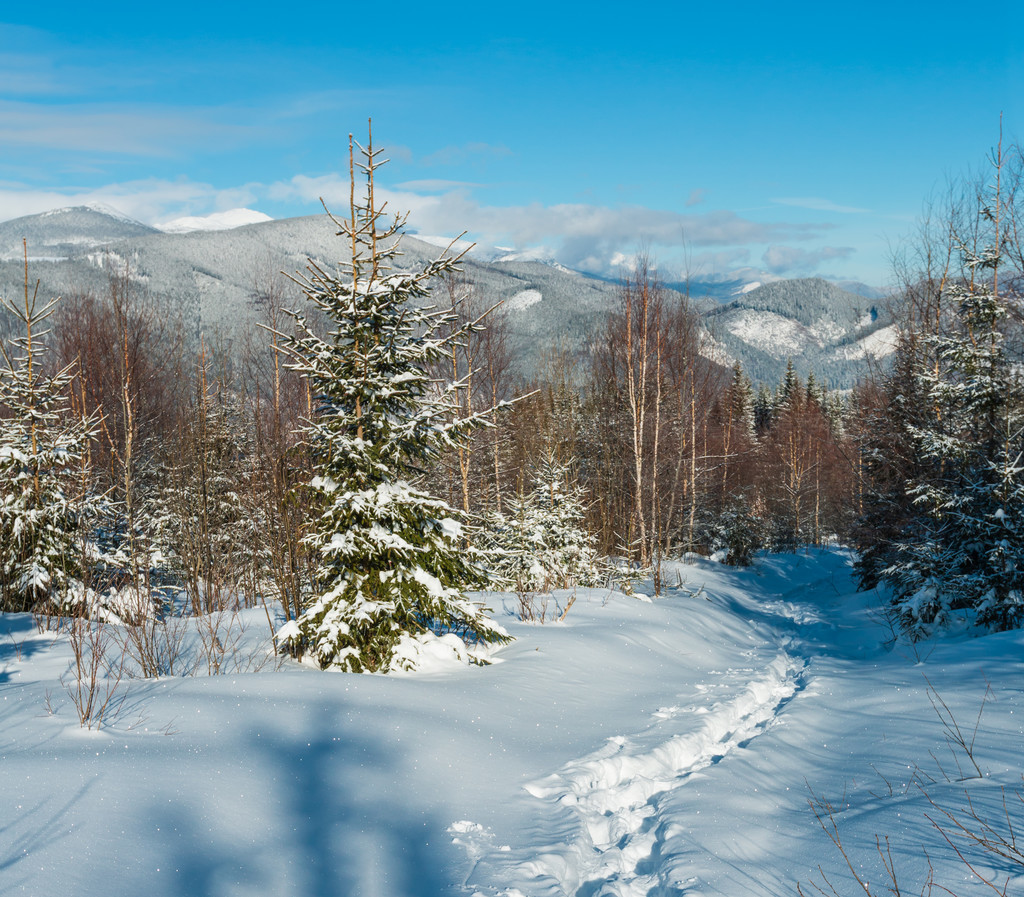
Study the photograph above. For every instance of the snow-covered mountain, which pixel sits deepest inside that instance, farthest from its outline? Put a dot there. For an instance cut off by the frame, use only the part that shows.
(213, 268)
(217, 221)
(67, 233)
(213, 276)
(821, 326)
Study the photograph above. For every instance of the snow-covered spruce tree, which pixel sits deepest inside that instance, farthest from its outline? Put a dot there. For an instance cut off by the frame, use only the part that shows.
(540, 543)
(887, 459)
(967, 551)
(738, 532)
(42, 446)
(392, 564)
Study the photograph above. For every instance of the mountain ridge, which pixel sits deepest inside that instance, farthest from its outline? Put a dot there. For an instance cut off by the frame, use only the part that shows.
(214, 277)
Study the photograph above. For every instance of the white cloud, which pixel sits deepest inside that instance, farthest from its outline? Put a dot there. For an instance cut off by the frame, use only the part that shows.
(622, 261)
(331, 188)
(589, 237)
(121, 130)
(582, 236)
(793, 260)
(818, 204)
(148, 200)
(24, 69)
(710, 263)
(23, 75)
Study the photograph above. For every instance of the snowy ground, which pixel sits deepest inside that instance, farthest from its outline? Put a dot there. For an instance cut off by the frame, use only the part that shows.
(663, 747)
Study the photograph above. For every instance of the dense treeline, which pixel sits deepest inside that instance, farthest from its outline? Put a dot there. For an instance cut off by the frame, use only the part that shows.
(943, 444)
(195, 466)
(150, 471)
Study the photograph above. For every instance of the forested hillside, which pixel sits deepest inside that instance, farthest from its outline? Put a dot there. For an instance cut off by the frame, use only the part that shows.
(217, 281)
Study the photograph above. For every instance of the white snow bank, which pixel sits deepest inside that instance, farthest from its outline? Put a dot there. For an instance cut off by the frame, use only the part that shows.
(661, 747)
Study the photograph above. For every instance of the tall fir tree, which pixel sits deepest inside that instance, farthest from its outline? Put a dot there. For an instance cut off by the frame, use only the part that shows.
(763, 410)
(43, 477)
(788, 392)
(740, 401)
(887, 458)
(392, 562)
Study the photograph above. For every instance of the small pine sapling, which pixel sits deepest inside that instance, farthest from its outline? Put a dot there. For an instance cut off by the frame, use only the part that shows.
(540, 543)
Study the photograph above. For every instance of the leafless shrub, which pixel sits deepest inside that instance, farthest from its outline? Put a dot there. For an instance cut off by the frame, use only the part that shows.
(959, 741)
(533, 606)
(93, 680)
(889, 617)
(155, 645)
(542, 606)
(825, 812)
(970, 831)
(45, 615)
(16, 645)
(974, 829)
(221, 636)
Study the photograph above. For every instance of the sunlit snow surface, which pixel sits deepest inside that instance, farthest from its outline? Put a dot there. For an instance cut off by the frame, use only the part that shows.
(523, 299)
(766, 330)
(879, 344)
(660, 747)
(780, 336)
(216, 221)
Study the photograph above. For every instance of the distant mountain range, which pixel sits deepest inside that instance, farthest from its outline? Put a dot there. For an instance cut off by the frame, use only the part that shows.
(822, 327)
(214, 275)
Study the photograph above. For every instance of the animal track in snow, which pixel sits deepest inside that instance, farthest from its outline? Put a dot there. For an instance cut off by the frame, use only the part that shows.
(614, 794)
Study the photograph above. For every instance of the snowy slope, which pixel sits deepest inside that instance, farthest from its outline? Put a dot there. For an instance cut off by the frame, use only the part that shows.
(210, 268)
(228, 220)
(823, 328)
(61, 233)
(661, 747)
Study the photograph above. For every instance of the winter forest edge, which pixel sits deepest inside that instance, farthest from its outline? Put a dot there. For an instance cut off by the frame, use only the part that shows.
(369, 473)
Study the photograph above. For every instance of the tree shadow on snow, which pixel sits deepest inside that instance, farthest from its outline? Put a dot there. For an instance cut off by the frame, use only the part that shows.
(35, 829)
(16, 643)
(340, 824)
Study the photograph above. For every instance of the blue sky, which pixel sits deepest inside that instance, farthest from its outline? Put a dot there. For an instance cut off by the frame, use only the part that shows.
(795, 139)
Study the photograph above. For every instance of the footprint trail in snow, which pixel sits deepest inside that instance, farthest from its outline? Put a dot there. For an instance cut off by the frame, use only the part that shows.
(608, 831)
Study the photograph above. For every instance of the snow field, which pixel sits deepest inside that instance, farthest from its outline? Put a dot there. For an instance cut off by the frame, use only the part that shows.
(619, 791)
(523, 299)
(663, 747)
